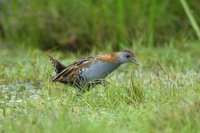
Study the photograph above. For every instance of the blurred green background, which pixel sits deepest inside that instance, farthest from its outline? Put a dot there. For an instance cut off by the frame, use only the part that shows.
(85, 25)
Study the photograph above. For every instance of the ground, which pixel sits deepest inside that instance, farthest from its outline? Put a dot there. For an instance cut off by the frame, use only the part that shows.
(160, 95)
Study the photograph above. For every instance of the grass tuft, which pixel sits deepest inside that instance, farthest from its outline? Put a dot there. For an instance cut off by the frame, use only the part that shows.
(160, 95)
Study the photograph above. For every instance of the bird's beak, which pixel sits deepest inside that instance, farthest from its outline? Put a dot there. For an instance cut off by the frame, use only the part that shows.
(135, 61)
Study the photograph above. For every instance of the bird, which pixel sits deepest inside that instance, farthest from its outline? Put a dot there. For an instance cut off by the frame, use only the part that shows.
(91, 71)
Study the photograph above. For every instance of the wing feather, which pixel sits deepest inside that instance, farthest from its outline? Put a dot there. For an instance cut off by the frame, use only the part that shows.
(71, 72)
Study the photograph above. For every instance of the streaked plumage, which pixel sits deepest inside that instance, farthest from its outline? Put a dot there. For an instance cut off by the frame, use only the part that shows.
(90, 70)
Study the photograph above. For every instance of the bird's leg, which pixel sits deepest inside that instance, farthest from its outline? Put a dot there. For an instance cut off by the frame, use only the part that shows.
(103, 82)
(96, 82)
(91, 84)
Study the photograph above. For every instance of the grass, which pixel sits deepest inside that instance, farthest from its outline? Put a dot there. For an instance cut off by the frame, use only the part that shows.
(161, 95)
(191, 18)
(152, 16)
(84, 25)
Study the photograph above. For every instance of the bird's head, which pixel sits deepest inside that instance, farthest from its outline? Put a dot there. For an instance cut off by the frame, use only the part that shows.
(127, 56)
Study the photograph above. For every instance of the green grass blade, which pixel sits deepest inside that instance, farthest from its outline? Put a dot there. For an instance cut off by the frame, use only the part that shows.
(191, 17)
(121, 21)
(152, 17)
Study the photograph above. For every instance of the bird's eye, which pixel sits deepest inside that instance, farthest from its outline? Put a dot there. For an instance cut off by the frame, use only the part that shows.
(127, 56)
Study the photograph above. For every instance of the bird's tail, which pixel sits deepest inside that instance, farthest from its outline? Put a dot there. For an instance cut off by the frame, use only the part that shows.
(58, 67)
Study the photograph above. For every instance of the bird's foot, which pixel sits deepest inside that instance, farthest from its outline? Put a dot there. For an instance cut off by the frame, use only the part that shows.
(92, 84)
